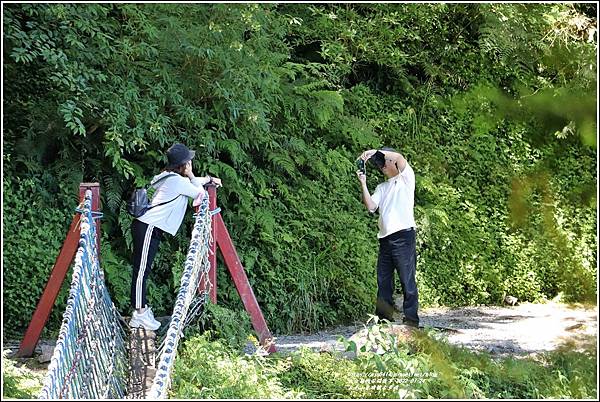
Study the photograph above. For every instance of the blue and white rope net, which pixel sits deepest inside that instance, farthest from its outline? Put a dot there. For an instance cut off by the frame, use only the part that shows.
(90, 359)
(189, 300)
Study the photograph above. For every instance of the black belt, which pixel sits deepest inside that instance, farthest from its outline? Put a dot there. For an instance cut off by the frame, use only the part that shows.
(396, 234)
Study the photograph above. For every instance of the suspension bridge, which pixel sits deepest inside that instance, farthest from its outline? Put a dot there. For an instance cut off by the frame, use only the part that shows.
(97, 356)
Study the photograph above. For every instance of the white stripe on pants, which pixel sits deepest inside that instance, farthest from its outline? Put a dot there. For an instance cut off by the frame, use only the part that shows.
(139, 284)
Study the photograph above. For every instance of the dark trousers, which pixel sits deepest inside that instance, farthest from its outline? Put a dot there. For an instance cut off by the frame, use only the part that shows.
(146, 239)
(397, 252)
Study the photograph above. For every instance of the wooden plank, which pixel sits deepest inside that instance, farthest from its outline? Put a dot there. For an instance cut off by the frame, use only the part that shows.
(142, 362)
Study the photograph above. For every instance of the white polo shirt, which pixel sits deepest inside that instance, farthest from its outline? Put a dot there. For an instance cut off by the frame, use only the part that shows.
(168, 217)
(395, 199)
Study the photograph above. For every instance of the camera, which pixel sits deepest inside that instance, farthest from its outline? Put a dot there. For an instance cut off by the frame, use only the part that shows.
(361, 165)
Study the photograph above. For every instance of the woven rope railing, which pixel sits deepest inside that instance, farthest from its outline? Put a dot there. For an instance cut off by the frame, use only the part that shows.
(189, 300)
(89, 360)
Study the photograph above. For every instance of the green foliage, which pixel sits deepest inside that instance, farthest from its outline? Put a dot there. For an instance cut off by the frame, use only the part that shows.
(222, 323)
(387, 366)
(468, 375)
(18, 382)
(492, 104)
(117, 275)
(31, 245)
(206, 369)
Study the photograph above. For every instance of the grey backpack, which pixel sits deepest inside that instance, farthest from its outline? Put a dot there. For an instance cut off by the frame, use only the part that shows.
(139, 203)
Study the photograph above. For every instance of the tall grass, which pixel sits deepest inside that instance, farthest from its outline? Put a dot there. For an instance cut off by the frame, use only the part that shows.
(423, 365)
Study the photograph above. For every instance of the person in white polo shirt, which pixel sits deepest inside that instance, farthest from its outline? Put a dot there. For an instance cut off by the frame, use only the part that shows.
(175, 185)
(394, 198)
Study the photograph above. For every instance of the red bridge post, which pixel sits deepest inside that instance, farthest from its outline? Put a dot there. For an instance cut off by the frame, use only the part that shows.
(59, 271)
(221, 238)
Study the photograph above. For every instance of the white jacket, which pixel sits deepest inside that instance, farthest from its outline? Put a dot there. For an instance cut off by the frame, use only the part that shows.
(168, 217)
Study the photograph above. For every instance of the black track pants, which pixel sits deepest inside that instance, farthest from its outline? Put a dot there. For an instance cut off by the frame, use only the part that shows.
(146, 239)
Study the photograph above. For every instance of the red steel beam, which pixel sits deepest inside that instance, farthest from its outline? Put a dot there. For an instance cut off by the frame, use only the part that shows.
(240, 280)
(59, 271)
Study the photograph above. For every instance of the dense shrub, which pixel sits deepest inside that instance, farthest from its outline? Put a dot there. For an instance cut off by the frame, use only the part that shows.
(492, 104)
(34, 222)
(423, 366)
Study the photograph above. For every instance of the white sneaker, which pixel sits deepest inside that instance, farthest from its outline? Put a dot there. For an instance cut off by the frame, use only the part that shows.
(149, 310)
(145, 320)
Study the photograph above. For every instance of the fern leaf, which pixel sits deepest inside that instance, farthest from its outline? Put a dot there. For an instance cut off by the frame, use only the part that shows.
(281, 161)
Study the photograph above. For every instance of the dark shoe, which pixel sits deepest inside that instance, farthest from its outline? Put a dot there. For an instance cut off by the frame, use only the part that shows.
(384, 310)
(410, 323)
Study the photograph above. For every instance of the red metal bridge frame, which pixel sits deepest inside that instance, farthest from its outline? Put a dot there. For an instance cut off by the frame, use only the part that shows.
(220, 237)
(59, 271)
(222, 240)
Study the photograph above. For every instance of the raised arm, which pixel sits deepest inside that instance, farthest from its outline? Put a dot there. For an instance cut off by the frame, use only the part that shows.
(366, 196)
(193, 186)
(397, 158)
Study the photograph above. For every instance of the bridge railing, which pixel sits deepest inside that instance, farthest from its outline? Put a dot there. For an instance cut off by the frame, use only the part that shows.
(189, 301)
(89, 360)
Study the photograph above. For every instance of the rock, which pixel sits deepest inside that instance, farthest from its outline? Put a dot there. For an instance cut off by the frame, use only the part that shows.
(46, 353)
(576, 326)
(511, 300)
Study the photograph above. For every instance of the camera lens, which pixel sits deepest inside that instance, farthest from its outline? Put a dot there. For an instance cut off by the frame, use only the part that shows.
(361, 165)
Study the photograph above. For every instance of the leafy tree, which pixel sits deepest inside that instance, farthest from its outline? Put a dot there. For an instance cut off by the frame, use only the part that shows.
(492, 104)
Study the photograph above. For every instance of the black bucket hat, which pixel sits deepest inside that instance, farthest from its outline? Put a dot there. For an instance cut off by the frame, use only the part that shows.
(179, 154)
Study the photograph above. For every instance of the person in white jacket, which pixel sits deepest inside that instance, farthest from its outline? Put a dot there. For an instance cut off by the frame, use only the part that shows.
(174, 186)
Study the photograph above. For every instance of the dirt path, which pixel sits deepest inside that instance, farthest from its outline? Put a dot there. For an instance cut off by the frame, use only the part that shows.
(522, 330)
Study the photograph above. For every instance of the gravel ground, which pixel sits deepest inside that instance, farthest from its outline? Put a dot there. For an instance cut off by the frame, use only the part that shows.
(521, 330)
